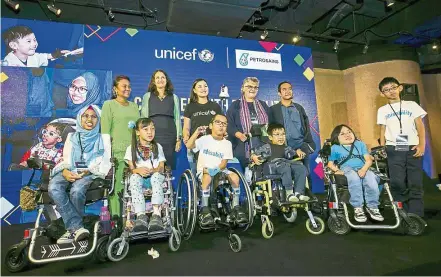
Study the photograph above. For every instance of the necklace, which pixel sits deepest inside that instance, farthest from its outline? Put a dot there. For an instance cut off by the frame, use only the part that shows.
(162, 97)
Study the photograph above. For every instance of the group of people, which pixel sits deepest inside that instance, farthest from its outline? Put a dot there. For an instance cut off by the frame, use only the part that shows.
(144, 142)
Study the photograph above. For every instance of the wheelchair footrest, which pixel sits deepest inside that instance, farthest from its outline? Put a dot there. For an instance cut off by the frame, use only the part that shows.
(49, 251)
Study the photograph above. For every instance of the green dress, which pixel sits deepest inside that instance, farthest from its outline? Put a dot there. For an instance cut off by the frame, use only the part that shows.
(114, 121)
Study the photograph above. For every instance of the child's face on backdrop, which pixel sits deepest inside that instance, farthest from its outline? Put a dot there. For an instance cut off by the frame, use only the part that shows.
(201, 89)
(278, 137)
(146, 133)
(78, 90)
(346, 136)
(219, 126)
(391, 91)
(50, 136)
(89, 119)
(25, 45)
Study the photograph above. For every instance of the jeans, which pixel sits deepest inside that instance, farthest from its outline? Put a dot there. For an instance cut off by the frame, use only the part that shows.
(356, 184)
(71, 208)
(293, 171)
(138, 184)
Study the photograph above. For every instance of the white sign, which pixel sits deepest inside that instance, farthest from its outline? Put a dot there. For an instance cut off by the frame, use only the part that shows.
(258, 60)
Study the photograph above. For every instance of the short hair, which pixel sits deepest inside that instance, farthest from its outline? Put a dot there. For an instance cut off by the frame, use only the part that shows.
(116, 82)
(280, 85)
(14, 33)
(387, 80)
(250, 79)
(274, 126)
(214, 116)
(58, 126)
(336, 132)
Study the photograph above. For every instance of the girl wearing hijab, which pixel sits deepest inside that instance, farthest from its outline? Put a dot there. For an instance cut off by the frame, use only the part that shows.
(86, 156)
(83, 92)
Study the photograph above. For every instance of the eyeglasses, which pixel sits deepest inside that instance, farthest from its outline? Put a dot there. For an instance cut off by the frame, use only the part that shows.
(389, 89)
(251, 87)
(82, 90)
(86, 116)
(51, 134)
(220, 123)
(279, 135)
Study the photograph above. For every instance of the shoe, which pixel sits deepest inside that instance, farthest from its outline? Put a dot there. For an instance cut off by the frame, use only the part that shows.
(239, 215)
(155, 223)
(205, 217)
(68, 237)
(375, 214)
(297, 197)
(359, 215)
(81, 234)
(292, 198)
(141, 223)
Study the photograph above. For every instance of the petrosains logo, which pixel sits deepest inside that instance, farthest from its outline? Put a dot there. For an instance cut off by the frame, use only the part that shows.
(174, 54)
(258, 60)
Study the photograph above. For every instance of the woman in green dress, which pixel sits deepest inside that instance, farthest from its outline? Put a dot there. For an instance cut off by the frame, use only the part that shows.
(115, 117)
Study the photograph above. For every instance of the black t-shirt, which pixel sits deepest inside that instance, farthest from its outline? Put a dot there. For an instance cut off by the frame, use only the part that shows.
(277, 151)
(201, 114)
(253, 113)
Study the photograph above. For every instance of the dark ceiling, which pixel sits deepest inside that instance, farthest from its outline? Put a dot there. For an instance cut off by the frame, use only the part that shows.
(408, 23)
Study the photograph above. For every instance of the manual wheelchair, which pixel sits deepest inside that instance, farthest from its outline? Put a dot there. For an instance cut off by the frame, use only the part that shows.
(39, 244)
(119, 246)
(337, 197)
(269, 195)
(188, 196)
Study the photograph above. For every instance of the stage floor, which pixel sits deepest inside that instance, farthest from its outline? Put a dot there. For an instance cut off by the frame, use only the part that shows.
(292, 251)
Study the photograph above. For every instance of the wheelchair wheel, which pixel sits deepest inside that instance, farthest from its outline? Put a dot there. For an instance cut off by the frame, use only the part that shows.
(235, 243)
(338, 226)
(186, 205)
(174, 241)
(291, 217)
(267, 229)
(416, 225)
(16, 264)
(248, 201)
(113, 249)
(100, 254)
(315, 230)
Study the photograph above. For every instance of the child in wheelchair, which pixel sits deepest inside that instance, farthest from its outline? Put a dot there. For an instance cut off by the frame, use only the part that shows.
(281, 160)
(350, 157)
(214, 153)
(146, 159)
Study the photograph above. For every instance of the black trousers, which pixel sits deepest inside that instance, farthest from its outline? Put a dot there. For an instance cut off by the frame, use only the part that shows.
(406, 179)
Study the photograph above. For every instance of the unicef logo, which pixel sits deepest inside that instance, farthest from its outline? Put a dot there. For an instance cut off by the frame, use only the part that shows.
(244, 59)
(206, 56)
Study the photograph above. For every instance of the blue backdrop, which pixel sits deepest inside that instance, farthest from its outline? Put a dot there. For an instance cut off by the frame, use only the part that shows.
(32, 97)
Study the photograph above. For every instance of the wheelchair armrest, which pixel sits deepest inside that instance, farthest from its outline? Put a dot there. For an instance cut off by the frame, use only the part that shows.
(36, 163)
(16, 167)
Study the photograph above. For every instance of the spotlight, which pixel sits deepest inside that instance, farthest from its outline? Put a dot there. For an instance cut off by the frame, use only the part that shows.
(264, 35)
(390, 3)
(296, 39)
(365, 49)
(336, 44)
(54, 9)
(12, 4)
(110, 15)
(435, 46)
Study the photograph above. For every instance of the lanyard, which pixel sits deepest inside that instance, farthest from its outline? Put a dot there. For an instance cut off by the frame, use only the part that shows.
(81, 147)
(399, 117)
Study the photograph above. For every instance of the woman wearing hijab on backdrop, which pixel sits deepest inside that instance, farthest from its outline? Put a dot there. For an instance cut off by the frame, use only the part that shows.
(115, 118)
(86, 156)
(241, 115)
(162, 106)
(84, 91)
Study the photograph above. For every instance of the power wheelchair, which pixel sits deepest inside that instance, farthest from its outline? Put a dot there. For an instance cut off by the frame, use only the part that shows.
(119, 246)
(337, 197)
(269, 195)
(39, 244)
(188, 200)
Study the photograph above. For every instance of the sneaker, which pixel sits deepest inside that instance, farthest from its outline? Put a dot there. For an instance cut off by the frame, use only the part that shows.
(155, 223)
(292, 198)
(68, 237)
(297, 197)
(81, 234)
(205, 217)
(359, 215)
(374, 213)
(239, 215)
(141, 223)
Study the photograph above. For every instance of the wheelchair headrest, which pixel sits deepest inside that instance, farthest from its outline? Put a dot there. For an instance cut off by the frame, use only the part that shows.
(326, 149)
(256, 130)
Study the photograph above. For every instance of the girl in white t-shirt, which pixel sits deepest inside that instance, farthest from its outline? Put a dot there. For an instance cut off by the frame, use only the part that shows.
(145, 158)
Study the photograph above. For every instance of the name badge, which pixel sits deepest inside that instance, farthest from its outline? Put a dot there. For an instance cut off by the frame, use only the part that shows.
(81, 167)
(402, 143)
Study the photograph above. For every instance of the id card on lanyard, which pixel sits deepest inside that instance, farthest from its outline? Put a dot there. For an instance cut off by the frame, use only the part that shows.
(81, 166)
(401, 141)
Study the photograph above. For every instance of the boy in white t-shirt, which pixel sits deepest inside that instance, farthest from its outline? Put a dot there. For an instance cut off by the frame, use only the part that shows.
(402, 131)
(214, 153)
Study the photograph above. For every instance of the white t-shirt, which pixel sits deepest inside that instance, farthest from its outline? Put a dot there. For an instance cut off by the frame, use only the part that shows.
(145, 163)
(409, 112)
(36, 60)
(212, 152)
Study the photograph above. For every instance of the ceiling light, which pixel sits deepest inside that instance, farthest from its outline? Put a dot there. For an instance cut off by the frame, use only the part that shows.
(365, 49)
(54, 9)
(389, 3)
(110, 15)
(264, 35)
(435, 45)
(13, 4)
(296, 38)
(336, 44)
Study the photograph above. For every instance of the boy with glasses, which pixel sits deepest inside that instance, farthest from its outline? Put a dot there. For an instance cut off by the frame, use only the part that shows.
(214, 153)
(402, 131)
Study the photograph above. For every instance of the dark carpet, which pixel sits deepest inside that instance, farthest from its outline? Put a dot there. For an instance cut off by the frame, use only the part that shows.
(292, 251)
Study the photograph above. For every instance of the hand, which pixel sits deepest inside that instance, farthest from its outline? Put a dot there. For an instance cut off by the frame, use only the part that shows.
(241, 136)
(25, 164)
(339, 172)
(178, 146)
(362, 172)
(256, 159)
(70, 176)
(419, 150)
(142, 171)
(84, 173)
(300, 153)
